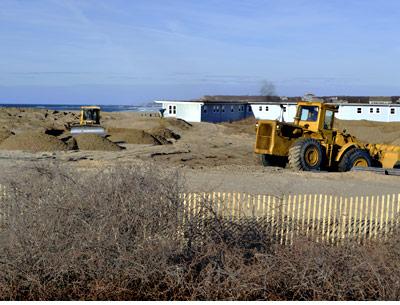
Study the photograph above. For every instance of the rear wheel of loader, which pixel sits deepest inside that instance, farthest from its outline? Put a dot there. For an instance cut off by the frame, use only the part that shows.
(354, 157)
(306, 155)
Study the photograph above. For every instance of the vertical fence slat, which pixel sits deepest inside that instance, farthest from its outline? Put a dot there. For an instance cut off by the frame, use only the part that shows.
(376, 222)
(344, 213)
(294, 220)
(387, 216)
(366, 218)
(335, 223)
(398, 211)
(320, 206)
(287, 218)
(392, 214)
(300, 205)
(314, 215)
(308, 214)
(361, 220)
(282, 219)
(350, 218)
(355, 224)
(380, 233)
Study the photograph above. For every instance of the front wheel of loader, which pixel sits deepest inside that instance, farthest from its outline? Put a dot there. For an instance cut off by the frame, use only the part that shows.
(305, 155)
(354, 157)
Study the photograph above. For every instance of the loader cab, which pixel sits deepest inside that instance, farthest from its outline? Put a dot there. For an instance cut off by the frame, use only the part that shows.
(90, 115)
(315, 116)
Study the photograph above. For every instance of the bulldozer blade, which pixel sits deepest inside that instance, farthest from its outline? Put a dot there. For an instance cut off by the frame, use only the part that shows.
(88, 130)
(378, 170)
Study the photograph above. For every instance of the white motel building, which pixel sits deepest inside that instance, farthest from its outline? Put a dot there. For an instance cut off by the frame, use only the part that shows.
(217, 109)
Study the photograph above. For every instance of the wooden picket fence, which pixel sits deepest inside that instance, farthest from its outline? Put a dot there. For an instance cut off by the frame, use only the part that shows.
(325, 218)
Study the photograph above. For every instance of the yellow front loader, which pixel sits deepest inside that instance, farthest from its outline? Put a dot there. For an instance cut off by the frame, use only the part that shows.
(311, 143)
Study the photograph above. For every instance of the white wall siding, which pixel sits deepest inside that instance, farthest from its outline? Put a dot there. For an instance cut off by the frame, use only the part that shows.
(346, 112)
(190, 112)
(273, 112)
(381, 113)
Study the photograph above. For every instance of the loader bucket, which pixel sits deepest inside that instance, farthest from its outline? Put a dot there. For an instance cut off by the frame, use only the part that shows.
(88, 130)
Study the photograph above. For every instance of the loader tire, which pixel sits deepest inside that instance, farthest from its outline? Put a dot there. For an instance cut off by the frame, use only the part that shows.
(354, 157)
(305, 155)
(270, 160)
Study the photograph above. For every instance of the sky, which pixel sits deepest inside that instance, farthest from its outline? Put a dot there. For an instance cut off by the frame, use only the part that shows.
(137, 51)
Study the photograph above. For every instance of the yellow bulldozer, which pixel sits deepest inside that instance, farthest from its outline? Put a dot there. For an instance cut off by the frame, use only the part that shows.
(311, 143)
(89, 122)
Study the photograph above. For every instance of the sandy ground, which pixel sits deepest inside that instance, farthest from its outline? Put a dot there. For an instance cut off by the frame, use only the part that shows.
(210, 157)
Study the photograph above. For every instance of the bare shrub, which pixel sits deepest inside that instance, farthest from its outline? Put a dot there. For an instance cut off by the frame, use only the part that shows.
(121, 234)
(90, 235)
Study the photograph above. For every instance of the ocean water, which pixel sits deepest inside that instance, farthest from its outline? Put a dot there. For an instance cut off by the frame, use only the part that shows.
(105, 108)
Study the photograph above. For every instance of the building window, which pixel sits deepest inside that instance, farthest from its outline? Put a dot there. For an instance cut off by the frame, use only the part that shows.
(174, 109)
(378, 110)
(232, 109)
(392, 111)
(284, 109)
(223, 108)
(249, 109)
(213, 108)
(266, 108)
(205, 109)
(217, 108)
(170, 109)
(260, 108)
(359, 110)
(371, 110)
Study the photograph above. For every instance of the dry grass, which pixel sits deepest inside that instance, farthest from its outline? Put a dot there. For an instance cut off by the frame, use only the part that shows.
(117, 234)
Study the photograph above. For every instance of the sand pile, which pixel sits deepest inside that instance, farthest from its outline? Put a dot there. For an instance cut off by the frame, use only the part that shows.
(33, 141)
(371, 132)
(4, 134)
(95, 142)
(178, 123)
(396, 142)
(164, 133)
(132, 136)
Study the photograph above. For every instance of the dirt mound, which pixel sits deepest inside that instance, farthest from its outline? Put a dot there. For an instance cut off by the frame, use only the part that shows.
(243, 126)
(164, 132)
(132, 136)
(33, 141)
(179, 123)
(4, 134)
(371, 132)
(396, 142)
(95, 142)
